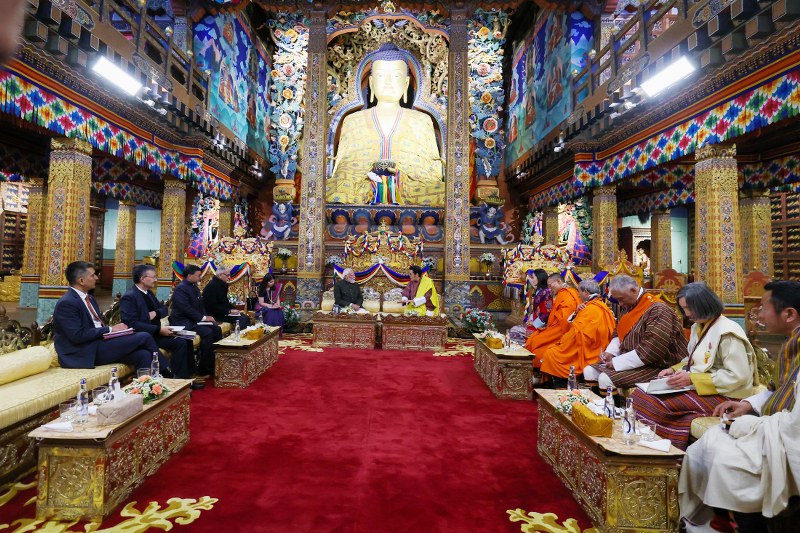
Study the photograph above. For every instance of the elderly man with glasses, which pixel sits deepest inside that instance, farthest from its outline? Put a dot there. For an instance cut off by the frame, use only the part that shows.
(215, 300)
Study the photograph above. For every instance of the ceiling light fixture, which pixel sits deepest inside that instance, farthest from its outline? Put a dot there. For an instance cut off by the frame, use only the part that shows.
(668, 76)
(116, 75)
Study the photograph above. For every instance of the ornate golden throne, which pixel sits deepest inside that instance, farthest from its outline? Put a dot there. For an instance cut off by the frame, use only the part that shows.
(253, 256)
(383, 253)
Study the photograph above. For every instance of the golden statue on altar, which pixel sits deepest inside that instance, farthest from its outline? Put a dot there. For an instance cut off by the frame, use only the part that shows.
(387, 154)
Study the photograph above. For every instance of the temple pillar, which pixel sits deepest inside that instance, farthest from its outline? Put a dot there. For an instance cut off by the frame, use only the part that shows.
(173, 212)
(756, 216)
(550, 225)
(457, 245)
(718, 240)
(125, 254)
(312, 197)
(604, 227)
(660, 241)
(66, 237)
(225, 219)
(32, 255)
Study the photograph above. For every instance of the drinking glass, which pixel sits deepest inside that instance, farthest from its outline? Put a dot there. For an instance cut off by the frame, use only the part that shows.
(647, 430)
(142, 372)
(100, 395)
(68, 410)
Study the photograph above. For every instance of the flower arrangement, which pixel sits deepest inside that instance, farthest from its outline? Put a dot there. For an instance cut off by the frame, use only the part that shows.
(429, 263)
(487, 258)
(334, 260)
(284, 253)
(564, 401)
(290, 315)
(149, 388)
(477, 320)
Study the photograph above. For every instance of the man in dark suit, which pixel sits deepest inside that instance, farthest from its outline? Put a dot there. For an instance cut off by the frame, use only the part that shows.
(187, 310)
(140, 309)
(79, 328)
(215, 300)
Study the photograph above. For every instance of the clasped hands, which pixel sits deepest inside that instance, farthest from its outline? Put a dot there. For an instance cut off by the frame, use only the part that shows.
(676, 380)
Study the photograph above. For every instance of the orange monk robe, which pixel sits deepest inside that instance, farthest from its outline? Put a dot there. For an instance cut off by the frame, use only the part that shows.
(564, 304)
(589, 334)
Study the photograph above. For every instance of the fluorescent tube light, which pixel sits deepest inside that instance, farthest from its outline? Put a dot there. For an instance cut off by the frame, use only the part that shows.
(116, 75)
(669, 76)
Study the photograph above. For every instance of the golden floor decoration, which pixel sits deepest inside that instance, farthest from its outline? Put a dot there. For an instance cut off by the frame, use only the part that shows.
(297, 341)
(456, 348)
(179, 511)
(545, 523)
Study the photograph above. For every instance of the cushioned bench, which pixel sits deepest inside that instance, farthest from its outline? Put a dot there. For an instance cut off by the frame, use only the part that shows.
(30, 392)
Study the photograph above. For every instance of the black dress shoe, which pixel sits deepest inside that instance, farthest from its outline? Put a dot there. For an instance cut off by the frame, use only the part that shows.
(196, 385)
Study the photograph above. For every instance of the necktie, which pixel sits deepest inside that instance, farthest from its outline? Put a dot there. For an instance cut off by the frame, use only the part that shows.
(91, 310)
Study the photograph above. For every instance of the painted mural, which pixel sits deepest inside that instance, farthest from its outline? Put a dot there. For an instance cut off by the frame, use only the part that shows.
(575, 230)
(239, 69)
(541, 89)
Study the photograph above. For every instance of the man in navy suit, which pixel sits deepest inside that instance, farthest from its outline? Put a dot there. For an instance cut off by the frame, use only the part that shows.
(140, 309)
(79, 328)
(187, 310)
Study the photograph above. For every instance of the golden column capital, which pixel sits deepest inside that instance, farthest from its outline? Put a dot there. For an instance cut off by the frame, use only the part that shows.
(715, 151)
(64, 144)
(35, 183)
(174, 183)
(127, 203)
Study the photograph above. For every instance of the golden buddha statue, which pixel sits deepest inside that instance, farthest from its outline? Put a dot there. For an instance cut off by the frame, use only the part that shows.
(387, 154)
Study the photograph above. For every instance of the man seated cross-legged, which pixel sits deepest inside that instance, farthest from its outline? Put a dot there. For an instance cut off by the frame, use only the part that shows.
(566, 300)
(591, 327)
(79, 329)
(649, 338)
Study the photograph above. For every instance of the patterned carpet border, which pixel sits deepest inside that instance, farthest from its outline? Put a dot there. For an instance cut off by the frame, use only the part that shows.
(303, 342)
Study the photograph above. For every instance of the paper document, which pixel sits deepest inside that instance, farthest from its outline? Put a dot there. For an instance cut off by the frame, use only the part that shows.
(538, 324)
(205, 323)
(120, 333)
(659, 386)
(176, 328)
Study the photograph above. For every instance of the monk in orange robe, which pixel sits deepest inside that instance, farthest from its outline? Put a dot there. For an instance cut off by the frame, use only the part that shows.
(565, 302)
(590, 331)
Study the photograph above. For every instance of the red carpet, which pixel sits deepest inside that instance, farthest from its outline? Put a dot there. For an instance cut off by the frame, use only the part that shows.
(356, 441)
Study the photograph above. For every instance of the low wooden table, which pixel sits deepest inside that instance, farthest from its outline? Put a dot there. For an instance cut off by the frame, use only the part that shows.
(622, 488)
(344, 330)
(401, 332)
(507, 372)
(86, 474)
(239, 363)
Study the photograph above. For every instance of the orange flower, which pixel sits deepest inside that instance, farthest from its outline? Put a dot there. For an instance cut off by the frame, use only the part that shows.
(142, 379)
(157, 389)
(486, 98)
(483, 32)
(288, 94)
(489, 143)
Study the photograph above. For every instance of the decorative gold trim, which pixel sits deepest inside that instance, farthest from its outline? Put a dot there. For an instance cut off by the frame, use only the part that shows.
(710, 151)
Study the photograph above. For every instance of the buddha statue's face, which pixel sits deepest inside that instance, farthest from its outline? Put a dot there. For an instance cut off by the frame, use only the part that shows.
(389, 80)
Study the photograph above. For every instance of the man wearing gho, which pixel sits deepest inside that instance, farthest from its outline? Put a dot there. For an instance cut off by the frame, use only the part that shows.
(649, 338)
(347, 292)
(420, 295)
(754, 467)
(590, 330)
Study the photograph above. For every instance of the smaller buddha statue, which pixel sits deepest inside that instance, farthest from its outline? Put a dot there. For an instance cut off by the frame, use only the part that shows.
(387, 154)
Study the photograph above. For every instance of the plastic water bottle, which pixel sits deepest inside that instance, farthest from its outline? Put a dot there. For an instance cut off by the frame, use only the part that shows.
(628, 422)
(572, 381)
(83, 404)
(113, 385)
(237, 332)
(608, 405)
(155, 367)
